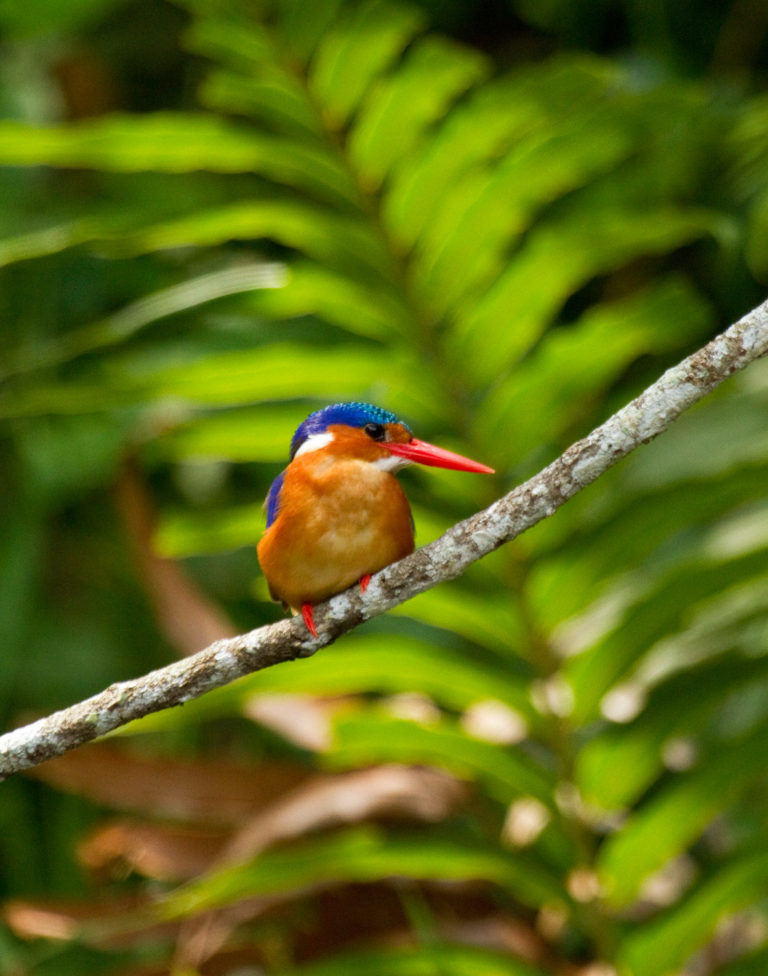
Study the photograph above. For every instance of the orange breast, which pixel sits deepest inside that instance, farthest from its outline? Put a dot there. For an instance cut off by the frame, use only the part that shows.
(339, 519)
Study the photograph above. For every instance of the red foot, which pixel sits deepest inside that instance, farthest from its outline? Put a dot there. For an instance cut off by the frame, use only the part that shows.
(364, 581)
(309, 619)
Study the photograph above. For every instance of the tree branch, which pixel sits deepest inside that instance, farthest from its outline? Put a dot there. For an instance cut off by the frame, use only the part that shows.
(641, 420)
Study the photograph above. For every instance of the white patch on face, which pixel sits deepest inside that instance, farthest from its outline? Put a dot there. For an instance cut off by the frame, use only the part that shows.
(314, 442)
(391, 463)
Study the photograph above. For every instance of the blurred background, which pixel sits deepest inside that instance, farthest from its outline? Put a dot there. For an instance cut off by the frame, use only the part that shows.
(501, 220)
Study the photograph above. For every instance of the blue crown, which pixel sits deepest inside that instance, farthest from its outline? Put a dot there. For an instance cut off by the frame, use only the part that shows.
(350, 414)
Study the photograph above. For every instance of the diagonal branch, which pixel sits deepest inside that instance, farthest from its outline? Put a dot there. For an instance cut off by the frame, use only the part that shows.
(641, 420)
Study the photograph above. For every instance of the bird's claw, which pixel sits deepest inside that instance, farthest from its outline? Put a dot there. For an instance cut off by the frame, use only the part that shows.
(309, 618)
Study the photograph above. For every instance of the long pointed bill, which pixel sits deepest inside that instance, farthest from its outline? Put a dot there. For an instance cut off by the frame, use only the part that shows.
(421, 452)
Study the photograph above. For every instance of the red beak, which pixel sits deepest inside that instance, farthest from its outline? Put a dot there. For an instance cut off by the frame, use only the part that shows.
(437, 457)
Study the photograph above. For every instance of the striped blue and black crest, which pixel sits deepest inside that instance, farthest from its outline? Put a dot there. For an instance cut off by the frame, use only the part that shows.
(351, 414)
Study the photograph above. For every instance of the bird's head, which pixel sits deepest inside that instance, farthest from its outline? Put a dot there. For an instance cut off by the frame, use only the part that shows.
(369, 433)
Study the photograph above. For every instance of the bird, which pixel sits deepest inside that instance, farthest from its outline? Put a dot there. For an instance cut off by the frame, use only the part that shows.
(337, 513)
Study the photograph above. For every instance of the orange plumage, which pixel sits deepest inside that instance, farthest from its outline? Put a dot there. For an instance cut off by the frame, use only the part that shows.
(341, 518)
(337, 513)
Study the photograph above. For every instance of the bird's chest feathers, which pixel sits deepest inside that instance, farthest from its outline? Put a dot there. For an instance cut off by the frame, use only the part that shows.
(349, 503)
(339, 519)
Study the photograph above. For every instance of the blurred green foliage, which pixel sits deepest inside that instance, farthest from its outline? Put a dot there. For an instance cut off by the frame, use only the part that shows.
(500, 221)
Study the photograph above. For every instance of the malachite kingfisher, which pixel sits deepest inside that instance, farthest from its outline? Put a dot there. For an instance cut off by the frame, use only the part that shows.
(337, 513)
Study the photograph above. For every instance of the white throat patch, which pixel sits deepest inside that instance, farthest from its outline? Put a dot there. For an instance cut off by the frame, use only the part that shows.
(391, 463)
(314, 442)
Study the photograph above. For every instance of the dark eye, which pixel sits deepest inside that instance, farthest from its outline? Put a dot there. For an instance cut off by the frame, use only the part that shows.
(375, 431)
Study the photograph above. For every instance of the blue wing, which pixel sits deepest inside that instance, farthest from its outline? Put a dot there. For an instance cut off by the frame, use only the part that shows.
(273, 498)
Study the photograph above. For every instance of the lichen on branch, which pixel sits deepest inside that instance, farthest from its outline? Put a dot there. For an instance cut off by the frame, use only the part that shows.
(647, 416)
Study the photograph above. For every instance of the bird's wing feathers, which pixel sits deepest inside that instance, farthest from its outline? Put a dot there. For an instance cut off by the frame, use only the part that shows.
(273, 498)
